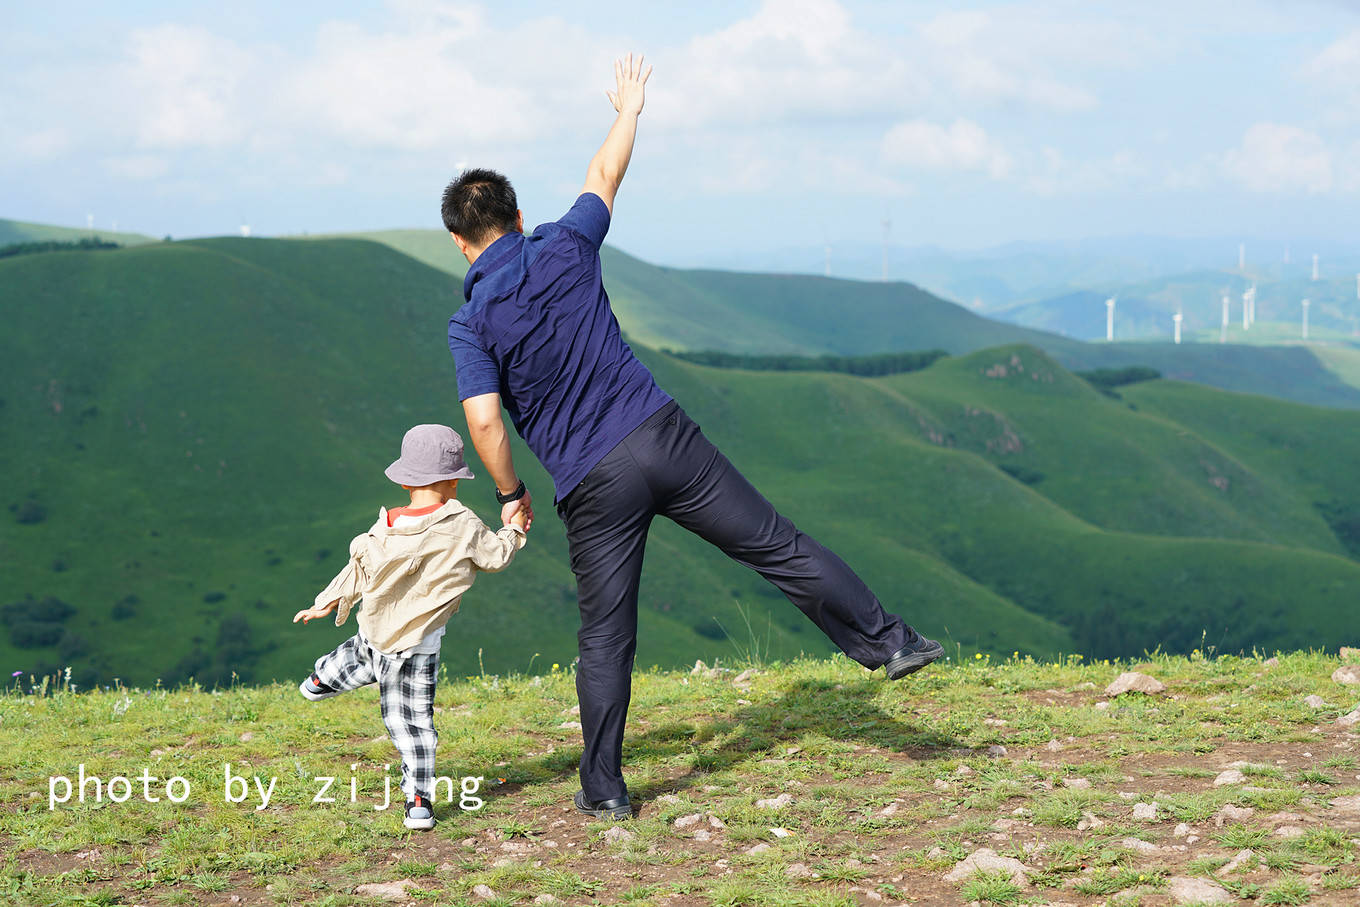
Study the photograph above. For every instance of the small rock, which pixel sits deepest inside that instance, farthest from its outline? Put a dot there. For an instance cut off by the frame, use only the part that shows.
(941, 784)
(759, 848)
(1078, 783)
(1191, 839)
(699, 667)
(963, 770)
(1347, 804)
(781, 832)
(1350, 719)
(703, 834)
(996, 750)
(1271, 662)
(1053, 746)
(247, 737)
(574, 710)
(1315, 702)
(1289, 831)
(779, 802)
(668, 798)
(1133, 682)
(1348, 675)
(1197, 891)
(745, 676)
(616, 834)
(1023, 812)
(988, 860)
(798, 871)
(687, 821)
(1231, 776)
(1236, 862)
(1139, 845)
(888, 810)
(1146, 812)
(570, 726)
(388, 891)
(715, 822)
(1088, 821)
(937, 853)
(1004, 824)
(485, 892)
(1230, 813)
(1180, 830)
(1102, 706)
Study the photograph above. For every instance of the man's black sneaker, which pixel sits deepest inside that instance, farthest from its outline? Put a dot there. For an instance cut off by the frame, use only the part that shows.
(418, 813)
(314, 689)
(912, 657)
(618, 809)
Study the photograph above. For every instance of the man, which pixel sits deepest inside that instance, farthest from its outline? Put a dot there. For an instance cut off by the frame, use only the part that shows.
(538, 337)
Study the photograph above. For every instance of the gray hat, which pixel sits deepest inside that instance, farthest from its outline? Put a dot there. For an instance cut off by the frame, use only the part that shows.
(429, 454)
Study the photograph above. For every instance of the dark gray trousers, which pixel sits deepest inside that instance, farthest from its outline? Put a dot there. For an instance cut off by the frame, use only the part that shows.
(666, 466)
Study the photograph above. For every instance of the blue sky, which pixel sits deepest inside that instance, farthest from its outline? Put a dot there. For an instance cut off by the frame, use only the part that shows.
(774, 124)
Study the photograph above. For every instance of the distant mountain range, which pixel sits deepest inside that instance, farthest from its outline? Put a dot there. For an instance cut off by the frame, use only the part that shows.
(194, 430)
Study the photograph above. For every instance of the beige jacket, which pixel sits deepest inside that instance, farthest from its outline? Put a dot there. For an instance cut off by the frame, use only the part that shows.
(411, 577)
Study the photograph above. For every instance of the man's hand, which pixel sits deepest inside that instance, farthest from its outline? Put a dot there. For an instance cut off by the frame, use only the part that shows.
(521, 512)
(315, 611)
(629, 82)
(607, 168)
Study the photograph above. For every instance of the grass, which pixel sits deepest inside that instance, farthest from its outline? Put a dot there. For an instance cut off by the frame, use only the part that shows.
(842, 744)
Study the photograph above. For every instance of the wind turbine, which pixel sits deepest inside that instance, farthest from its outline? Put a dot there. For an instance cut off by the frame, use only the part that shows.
(1305, 319)
(1177, 318)
(1223, 332)
(1109, 318)
(1315, 266)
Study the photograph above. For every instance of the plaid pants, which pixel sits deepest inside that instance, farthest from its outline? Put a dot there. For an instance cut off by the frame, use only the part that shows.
(406, 693)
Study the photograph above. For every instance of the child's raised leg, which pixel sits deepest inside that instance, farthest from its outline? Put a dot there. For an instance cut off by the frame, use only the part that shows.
(349, 667)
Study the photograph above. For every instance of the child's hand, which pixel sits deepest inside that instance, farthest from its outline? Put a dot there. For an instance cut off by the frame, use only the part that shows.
(315, 611)
(521, 519)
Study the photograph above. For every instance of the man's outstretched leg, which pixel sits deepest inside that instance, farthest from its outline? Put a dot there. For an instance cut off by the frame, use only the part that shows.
(714, 500)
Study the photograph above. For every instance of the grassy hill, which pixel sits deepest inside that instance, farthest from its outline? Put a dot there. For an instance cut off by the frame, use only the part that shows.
(796, 784)
(204, 426)
(17, 231)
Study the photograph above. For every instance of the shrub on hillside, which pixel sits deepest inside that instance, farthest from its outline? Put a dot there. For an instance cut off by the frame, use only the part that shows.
(125, 607)
(30, 512)
(32, 634)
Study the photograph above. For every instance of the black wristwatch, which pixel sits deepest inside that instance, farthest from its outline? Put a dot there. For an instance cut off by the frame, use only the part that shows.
(512, 496)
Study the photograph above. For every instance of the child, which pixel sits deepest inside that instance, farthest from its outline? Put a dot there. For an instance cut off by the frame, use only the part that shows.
(410, 568)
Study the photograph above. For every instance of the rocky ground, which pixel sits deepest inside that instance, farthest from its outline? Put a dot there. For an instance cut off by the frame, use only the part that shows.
(1194, 780)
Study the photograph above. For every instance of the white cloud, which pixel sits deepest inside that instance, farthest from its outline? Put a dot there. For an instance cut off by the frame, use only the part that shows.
(183, 85)
(1018, 56)
(961, 146)
(137, 167)
(791, 59)
(1053, 173)
(1278, 158)
(1338, 63)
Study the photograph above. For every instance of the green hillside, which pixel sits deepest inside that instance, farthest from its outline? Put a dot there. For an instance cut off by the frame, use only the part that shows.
(784, 313)
(195, 430)
(17, 231)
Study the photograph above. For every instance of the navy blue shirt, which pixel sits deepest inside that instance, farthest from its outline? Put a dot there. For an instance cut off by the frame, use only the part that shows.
(537, 329)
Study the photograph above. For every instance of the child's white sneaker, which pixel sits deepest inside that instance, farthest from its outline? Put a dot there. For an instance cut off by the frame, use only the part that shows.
(418, 813)
(314, 689)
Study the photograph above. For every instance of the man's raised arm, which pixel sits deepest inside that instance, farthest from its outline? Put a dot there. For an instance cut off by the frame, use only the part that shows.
(611, 161)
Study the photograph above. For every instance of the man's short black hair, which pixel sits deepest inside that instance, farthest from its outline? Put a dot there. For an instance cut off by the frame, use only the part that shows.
(480, 205)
